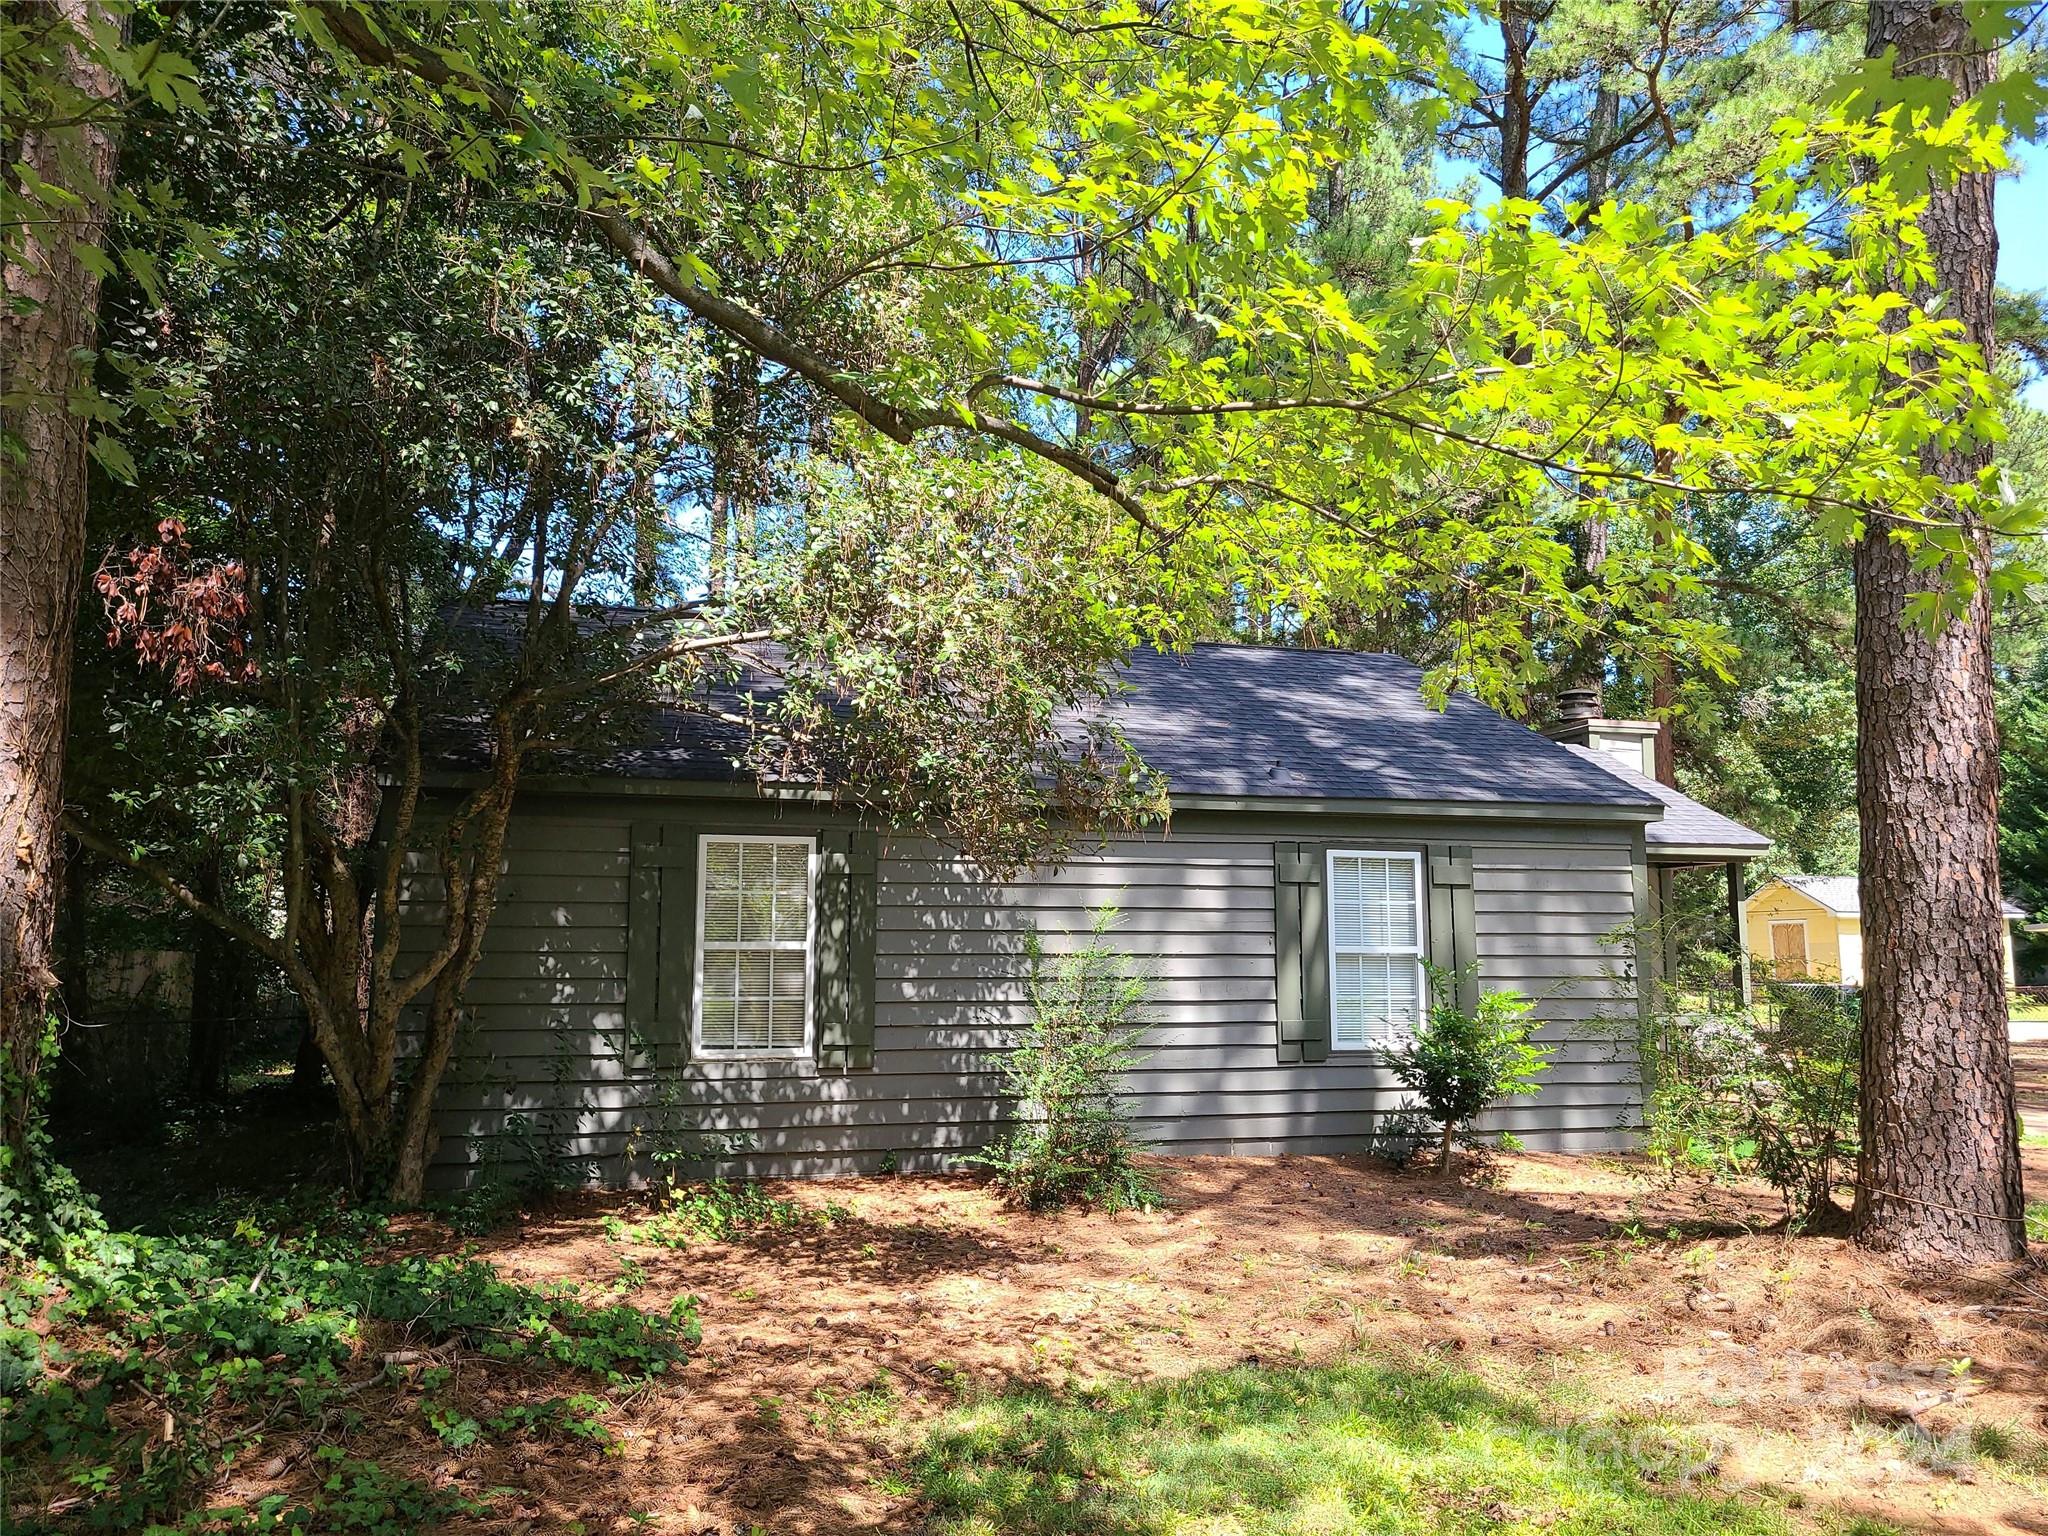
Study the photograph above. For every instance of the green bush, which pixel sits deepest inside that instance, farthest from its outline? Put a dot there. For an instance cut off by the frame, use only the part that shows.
(722, 1211)
(1399, 1135)
(1072, 1144)
(41, 1203)
(223, 1337)
(1769, 1089)
(1461, 1064)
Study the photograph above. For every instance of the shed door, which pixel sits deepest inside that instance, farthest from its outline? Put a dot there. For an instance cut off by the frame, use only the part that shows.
(1788, 949)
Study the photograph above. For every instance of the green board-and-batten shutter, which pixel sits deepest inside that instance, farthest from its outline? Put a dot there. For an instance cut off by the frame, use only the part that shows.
(661, 935)
(1454, 920)
(1301, 952)
(843, 995)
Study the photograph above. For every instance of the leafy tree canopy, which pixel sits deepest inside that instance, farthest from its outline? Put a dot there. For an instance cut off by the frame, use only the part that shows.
(889, 204)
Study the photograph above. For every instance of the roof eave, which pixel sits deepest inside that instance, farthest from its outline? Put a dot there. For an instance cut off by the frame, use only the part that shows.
(1704, 853)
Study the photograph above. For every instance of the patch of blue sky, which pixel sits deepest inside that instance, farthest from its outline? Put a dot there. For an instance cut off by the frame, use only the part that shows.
(2023, 233)
(2022, 201)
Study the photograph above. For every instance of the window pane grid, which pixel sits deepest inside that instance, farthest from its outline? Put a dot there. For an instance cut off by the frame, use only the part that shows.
(1376, 947)
(753, 971)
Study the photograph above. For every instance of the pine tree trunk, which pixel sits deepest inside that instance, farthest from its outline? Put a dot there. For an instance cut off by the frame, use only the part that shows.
(647, 512)
(725, 474)
(1517, 106)
(48, 319)
(1663, 668)
(1588, 666)
(1938, 1178)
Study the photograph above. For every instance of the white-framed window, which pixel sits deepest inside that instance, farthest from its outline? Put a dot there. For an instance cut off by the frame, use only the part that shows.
(754, 929)
(1378, 987)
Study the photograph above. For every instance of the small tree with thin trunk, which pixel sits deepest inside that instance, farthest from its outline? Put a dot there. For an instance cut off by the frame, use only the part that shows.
(1065, 1072)
(1461, 1064)
(379, 616)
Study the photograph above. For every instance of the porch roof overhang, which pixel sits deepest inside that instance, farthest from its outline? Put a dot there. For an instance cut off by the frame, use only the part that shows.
(1688, 832)
(1686, 854)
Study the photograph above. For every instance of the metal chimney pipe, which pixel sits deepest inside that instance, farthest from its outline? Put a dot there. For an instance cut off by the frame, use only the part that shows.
(1577, 705)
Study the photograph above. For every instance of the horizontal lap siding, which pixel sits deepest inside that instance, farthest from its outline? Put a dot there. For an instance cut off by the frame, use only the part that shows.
(1557, 925)
(547, 1042)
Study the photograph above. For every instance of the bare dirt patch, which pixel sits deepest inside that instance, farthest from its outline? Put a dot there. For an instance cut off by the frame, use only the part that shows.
(1820, 1374)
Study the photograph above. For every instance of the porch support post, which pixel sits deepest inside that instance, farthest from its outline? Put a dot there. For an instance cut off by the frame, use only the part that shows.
(1661, 888)
(1738, 923)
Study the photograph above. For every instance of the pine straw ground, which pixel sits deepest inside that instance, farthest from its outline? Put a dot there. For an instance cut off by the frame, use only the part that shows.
(2030, 1068)
(1821, 1381)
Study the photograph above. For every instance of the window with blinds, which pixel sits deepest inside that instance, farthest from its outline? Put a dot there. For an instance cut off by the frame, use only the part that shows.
(754, 946)
(1377, 983)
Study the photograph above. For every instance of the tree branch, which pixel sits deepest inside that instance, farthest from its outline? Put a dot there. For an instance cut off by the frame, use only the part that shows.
(559, 692)
(632, 243)
(161, 877)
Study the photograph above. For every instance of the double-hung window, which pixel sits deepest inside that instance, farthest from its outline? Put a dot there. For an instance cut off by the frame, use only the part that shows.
(1378, 988)
(754, 921)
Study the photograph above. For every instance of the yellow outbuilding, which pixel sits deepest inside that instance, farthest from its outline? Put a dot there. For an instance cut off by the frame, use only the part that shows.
(1810, 928)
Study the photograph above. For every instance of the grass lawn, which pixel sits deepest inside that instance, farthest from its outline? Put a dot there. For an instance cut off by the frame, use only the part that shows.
(1362, 1447)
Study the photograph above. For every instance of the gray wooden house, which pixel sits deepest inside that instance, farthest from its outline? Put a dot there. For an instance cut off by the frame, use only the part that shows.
(676, 952)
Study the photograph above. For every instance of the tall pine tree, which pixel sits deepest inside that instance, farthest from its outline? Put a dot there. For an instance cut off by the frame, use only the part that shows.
(57, 172)
(1939, 1173)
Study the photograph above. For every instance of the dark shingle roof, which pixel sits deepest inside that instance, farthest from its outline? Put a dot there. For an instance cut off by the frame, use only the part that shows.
(1338, 725)
(1269, 722)
(1686, 823)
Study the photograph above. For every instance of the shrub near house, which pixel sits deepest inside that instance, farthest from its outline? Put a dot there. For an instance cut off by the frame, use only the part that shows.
(1462, 1064)
(1073, 1145)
